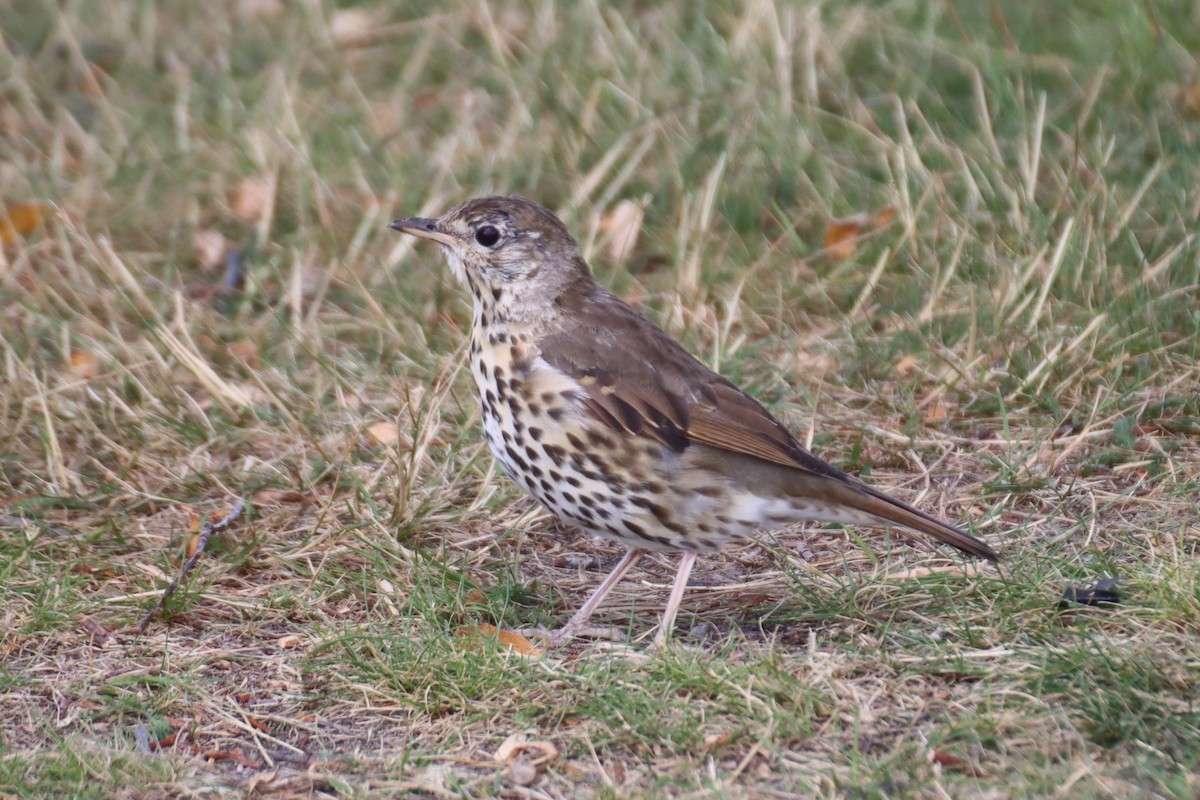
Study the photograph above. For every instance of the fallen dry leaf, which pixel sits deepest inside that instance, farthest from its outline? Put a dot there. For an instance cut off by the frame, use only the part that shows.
(267, 496)
(253, 198)
(244, 350)
(510, 639)
(352, 27)
(84, 365)
(210, 246)
(622, 224)
(905, 365)
(956, 764)
(384, 433)
(519, 744)
(842, 235)
(99, 634)
(20, 219)
(937, 411)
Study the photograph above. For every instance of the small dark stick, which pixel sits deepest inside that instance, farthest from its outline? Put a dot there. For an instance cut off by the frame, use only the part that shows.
(207, 531)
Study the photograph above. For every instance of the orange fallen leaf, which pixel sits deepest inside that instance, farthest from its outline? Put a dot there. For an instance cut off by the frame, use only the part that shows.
(937, 411)
(384, 433)
(905, 365)
(84, 364)
(510, 639)
(842, 235)
(20, 219)
(245, 350)
(253, 199)
(956, 764)
(622, 224)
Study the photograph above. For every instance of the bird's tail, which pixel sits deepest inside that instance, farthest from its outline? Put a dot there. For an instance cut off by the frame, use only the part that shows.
(892, 511)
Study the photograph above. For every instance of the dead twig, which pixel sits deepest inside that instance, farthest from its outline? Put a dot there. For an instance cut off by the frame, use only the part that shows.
(210, 527)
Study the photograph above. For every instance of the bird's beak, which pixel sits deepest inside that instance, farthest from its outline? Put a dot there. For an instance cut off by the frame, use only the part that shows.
(424, 228)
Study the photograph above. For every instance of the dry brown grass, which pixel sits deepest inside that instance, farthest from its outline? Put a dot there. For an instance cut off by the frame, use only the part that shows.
(1013, 344)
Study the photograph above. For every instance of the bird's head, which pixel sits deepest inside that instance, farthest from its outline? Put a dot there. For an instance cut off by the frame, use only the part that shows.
(506, 249)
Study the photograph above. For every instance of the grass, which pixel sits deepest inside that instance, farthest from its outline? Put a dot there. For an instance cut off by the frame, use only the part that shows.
(1015, 344)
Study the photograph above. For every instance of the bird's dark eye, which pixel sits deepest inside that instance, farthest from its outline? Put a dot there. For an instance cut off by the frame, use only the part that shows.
(487, 235)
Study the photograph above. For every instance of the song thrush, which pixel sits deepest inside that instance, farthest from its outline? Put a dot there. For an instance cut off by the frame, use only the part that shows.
(612, 425)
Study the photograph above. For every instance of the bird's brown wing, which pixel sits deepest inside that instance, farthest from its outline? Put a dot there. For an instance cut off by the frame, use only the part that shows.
(637, 378)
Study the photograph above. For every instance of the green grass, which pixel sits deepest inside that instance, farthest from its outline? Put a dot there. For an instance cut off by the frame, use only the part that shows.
(1019, 346)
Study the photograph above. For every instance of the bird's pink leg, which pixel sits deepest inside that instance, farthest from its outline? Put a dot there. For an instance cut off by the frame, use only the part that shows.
(681, 580)
(577, 622)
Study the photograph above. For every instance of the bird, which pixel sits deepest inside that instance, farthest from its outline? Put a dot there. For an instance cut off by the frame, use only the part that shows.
(613, 426)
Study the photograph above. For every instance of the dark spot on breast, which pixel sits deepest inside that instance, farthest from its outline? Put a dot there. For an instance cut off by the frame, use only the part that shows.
(495, 292)
(535, 433)
(516, 457)
(634, 528)
(555, 475)
(499, 373)
(598, 439)
(489, 397)
(569, 497)
(571, 479)
(535, 410)
(556, 454)
(547, 486)
(521, 362)
(575, 441)
(556, 413)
